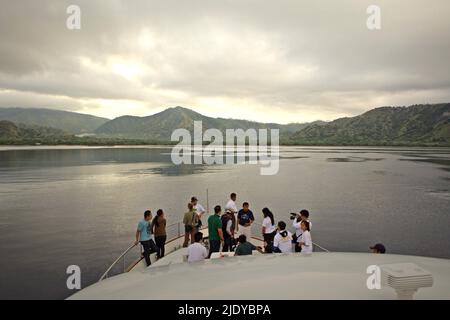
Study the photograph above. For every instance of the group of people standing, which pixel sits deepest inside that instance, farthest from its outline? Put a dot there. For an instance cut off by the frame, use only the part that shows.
(231, 231)
(227, 231)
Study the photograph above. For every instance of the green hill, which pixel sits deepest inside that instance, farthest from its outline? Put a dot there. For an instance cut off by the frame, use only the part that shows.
(414, 125)
(8, 130)
(417, 124)
(161, 125)
(10, 133)
(68, 121)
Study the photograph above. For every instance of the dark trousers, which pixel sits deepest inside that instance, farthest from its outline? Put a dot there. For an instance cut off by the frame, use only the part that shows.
(214, 246)
(268, 239)
(189, 232)
(227, 243)
(149, 247)
(295, 240)
(160, 243)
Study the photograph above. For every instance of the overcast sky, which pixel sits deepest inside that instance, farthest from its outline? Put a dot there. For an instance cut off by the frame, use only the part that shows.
(272, 61)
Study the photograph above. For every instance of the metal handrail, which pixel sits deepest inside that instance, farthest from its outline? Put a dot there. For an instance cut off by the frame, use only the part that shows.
(179, 233)
(123, 254)
(105, 275)
(317, 245)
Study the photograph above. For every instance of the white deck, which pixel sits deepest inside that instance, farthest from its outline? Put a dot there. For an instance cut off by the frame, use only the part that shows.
(175, 253)
(292, 276)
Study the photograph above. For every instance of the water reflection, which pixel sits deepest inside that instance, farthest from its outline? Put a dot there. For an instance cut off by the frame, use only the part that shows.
(353, 159)
(174, 170)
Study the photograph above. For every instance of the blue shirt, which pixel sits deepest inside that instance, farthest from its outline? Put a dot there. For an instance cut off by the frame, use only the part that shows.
(145, 230)
(245, 217)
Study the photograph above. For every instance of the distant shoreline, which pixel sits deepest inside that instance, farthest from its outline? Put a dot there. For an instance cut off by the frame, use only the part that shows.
(167, 145)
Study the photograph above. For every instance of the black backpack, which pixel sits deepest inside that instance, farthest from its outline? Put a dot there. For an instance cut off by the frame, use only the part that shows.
(225, 218)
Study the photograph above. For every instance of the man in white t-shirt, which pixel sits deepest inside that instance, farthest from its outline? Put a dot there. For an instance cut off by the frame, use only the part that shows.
(199, 210)
(231, 207)
(197, 251)
(283, 239)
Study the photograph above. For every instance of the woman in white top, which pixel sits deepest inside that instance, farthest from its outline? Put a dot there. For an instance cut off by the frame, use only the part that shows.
(268, 229)
(305, 239)
(297, 224)
(283, 239)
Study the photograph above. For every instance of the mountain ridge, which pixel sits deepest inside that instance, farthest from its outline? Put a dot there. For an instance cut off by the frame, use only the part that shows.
(160, 125)
(420, 124)
(427, 123)
(72, 122)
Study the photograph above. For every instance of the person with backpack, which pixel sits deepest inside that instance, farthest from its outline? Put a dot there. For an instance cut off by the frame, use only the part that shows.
(227, 230)
(200, 211)
(282, 243)
(190, 222)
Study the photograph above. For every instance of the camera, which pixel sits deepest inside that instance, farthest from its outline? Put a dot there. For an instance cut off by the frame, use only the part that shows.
(293, 216)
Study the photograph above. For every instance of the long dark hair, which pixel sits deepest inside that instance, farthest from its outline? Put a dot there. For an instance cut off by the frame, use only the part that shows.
(155, 221)
(268, 213)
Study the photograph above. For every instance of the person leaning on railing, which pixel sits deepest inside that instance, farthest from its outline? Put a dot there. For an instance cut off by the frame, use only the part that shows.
(190, 222)
(144, 235)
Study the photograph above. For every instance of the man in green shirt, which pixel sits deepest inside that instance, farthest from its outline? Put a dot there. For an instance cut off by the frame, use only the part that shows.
(245, 248)
(215, 233)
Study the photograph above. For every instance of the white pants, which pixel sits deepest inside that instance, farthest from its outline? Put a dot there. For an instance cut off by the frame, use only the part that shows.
(247, 231)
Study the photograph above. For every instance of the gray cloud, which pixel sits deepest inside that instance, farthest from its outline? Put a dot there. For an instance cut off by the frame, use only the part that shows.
(286, 60)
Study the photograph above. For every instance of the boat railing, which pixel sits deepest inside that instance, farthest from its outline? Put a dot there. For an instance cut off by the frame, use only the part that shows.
(174, 231)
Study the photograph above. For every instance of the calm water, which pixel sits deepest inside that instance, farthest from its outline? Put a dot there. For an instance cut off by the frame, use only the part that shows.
(64, 206)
